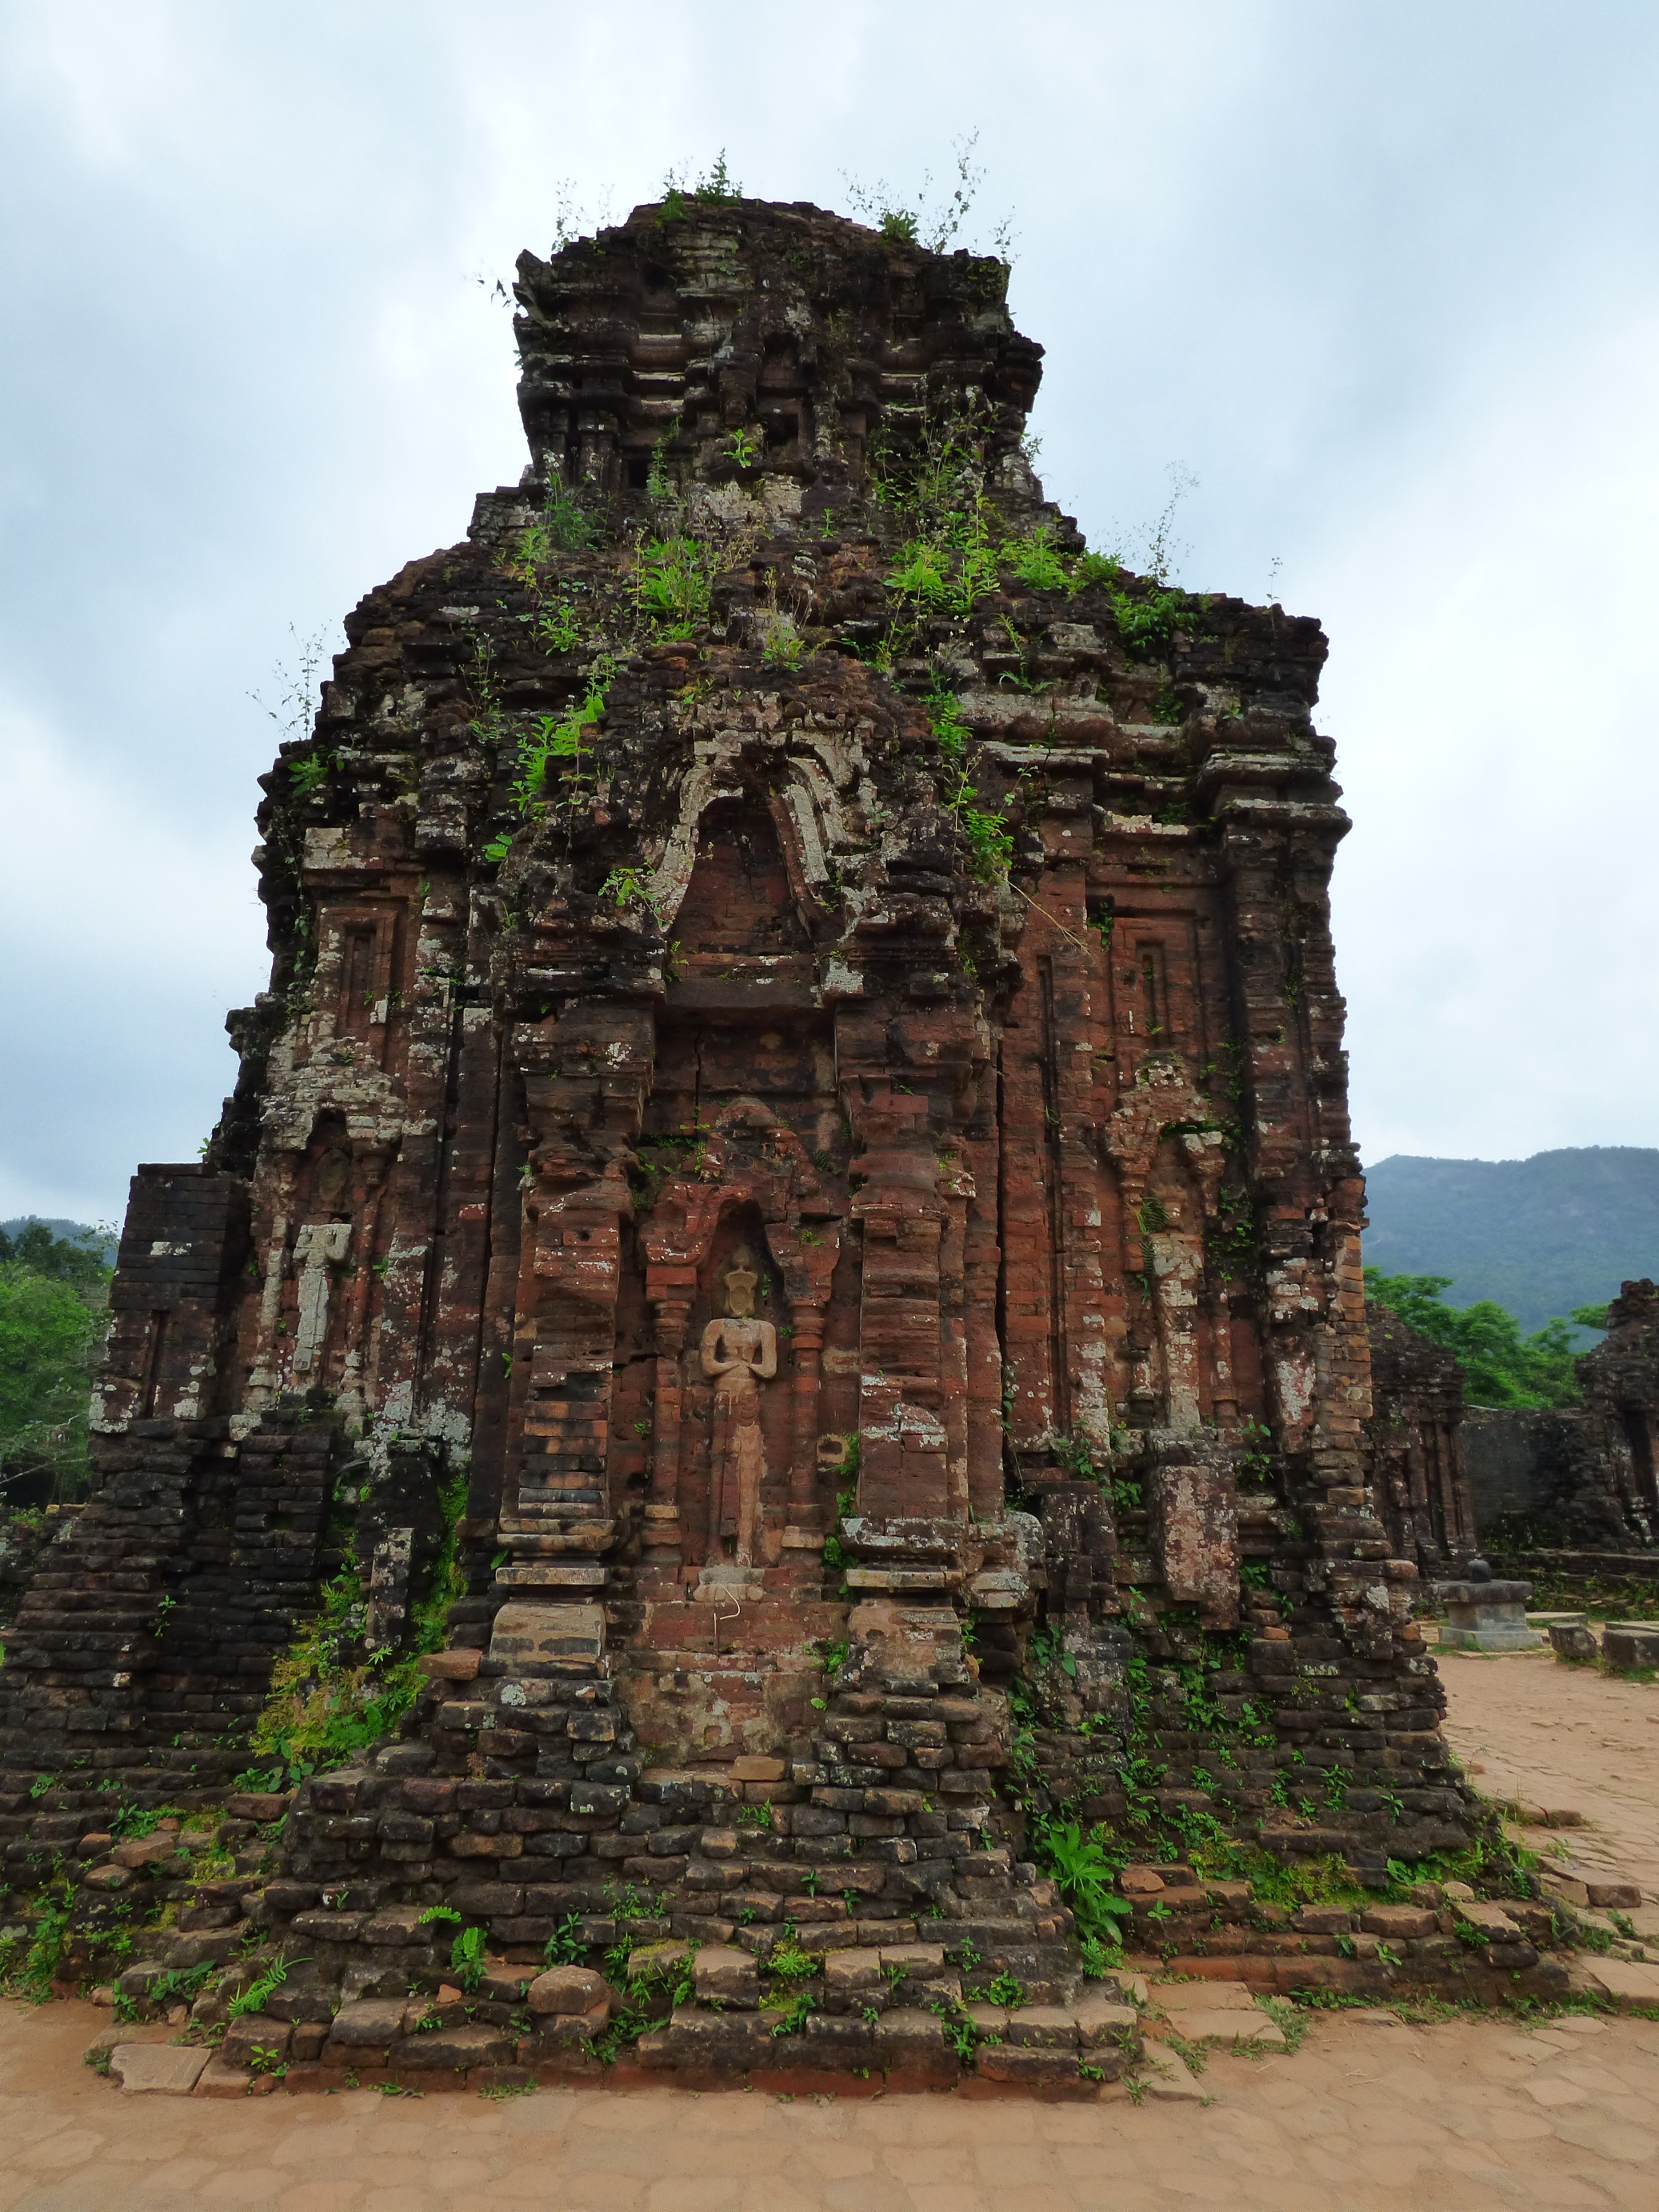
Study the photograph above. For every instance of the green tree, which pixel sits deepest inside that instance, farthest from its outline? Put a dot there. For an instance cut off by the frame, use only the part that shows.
(53, 1291)
(77, 1261)
(1501, 1367)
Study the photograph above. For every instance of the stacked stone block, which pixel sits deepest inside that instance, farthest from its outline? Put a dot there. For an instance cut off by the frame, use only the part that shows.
(874, 1855)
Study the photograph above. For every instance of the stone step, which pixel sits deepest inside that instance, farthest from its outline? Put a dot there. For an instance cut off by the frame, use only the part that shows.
(552, 1575)
(549, 1540)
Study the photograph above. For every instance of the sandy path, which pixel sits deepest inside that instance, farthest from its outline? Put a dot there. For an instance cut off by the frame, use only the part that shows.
(1474, 2117)
(1549, 1736)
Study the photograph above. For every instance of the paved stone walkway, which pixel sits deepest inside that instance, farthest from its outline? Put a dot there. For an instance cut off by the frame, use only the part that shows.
(1477, 2117)
(1529, 1729)
(1473, 2116)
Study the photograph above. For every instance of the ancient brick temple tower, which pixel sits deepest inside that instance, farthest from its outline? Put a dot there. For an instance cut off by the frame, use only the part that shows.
(802, 1060)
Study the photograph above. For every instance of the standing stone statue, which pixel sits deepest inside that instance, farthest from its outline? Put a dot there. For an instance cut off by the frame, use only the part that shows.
(739, 1352)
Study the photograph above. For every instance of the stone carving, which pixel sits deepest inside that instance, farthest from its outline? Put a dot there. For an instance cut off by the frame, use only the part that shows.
(740, 1353)
(319, 1246)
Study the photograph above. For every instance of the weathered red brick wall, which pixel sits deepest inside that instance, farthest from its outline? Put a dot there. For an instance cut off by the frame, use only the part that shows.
(1416, 1432)
(670, 871)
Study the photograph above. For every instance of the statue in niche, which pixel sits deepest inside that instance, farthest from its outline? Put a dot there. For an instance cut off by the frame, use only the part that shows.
(739, 1353)
(333, 1185)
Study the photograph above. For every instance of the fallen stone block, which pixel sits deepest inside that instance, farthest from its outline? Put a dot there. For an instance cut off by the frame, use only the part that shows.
(1398, 1924)
(1230, 2027)
(252, 2031)
(1171, 2082)
(215, 1946)
(651, 1961)
(912, 2042)
(137, 1852)
(1030, 2063)
(1050, 2026)
(471, 2043)
(1098, 2023)
(370, 2024)
(260, 1806)
(1202, 1996)
(1566, 1886)
(853, 1973)
(1611, 1895)
(1491, 1919)
(221, 2077)
(572, 1990)
(838, 2039)
(157, 2070)
(1631, 1646)
(1624, 1980)
(723, 1971)
(124, 2031)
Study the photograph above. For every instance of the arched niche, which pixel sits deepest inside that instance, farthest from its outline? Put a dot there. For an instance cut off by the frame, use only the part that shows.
(750, 1180)
(1168, 1157)
(743, 944)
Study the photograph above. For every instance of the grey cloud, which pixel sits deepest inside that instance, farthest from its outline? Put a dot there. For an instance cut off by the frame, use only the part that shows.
(1316, 253)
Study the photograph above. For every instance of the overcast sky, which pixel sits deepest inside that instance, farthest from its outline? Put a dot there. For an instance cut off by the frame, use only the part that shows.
(1385, 278)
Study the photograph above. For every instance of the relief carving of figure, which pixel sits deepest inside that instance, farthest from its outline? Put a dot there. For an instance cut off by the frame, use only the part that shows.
(739, 1352)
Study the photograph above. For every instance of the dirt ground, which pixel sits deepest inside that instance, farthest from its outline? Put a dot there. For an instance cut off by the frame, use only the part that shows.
(1531, 1730)
(1473, 2116)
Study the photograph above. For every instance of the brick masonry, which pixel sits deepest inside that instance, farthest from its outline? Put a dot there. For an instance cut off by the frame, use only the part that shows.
(630, 910)
(1581, 1479)
(1417, 1435)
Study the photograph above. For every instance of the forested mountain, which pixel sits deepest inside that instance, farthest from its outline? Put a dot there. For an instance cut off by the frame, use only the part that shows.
(102, 1240)
(1539, 1237)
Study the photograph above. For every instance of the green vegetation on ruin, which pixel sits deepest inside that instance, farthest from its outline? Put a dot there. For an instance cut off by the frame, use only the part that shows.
(1501, 1367)
(329, 1698)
